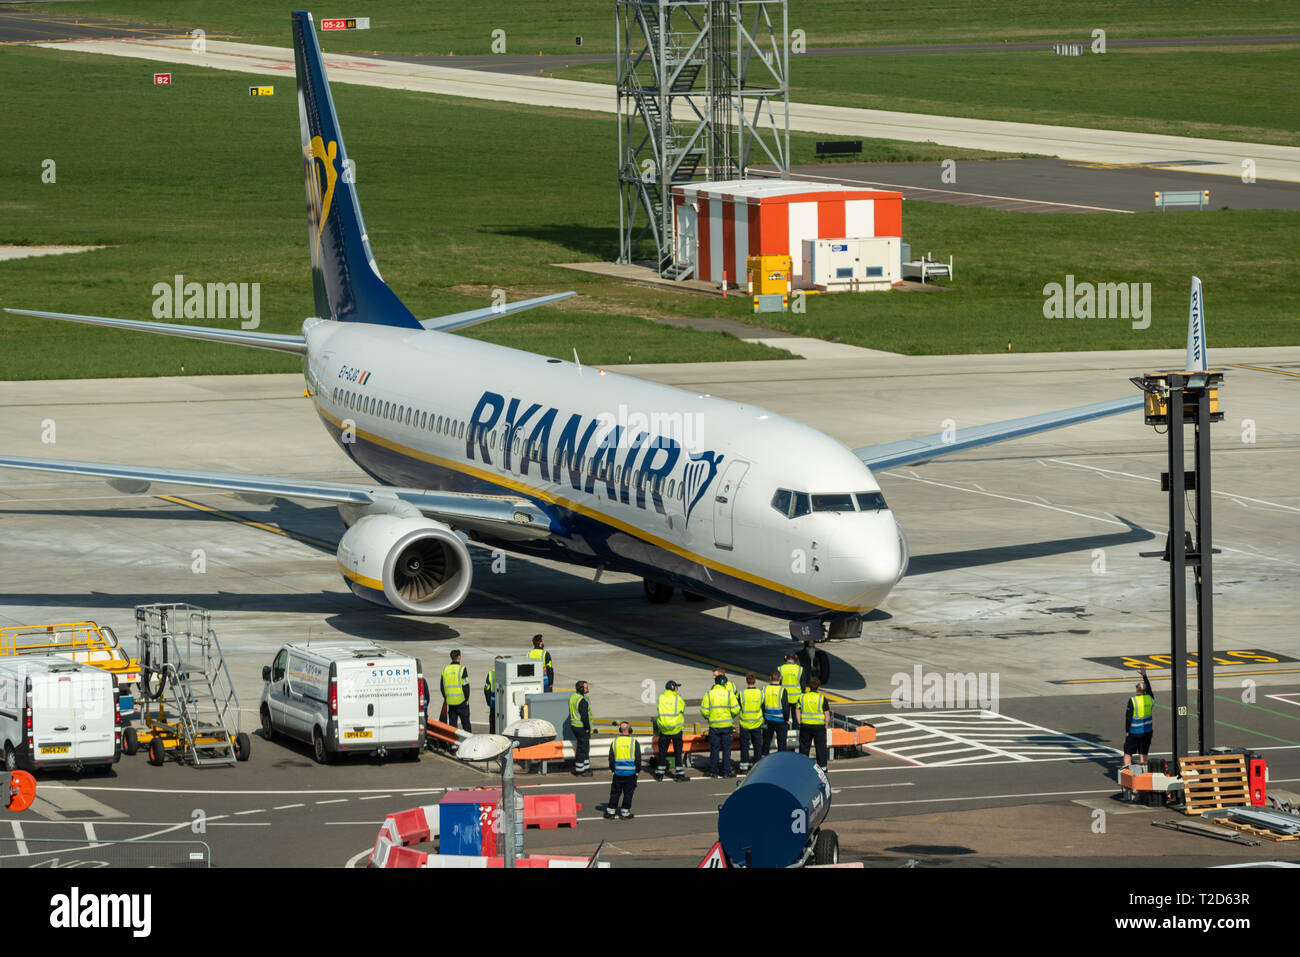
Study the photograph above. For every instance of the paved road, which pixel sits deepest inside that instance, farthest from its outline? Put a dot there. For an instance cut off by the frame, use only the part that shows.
(550, 62)
(1054, 186)
(1088, 145)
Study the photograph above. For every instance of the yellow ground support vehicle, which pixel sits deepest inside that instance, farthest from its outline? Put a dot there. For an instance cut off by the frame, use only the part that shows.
(188, 701)
(82, 641)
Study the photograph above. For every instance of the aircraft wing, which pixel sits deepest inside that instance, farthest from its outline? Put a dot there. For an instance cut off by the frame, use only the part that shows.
(239, 337)
(909, 451)
(504, 516)
(461, 320)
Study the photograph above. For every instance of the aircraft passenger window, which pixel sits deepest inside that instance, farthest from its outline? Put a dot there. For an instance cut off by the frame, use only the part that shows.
(871, 501)
(618, 475)
(672, 483)
(462, 430)
(492, 440)
(781, 501)
(801, 505)
(423, 417)
(515, 445)
(842, 502)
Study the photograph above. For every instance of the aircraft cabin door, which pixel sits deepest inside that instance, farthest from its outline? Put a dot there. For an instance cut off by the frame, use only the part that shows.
(724, 503)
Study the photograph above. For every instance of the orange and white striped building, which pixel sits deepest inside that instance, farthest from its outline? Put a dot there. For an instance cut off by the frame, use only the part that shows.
(719, 225)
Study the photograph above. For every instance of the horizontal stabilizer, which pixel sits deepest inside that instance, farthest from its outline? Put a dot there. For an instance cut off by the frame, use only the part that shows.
(462, 320)
(239, 337)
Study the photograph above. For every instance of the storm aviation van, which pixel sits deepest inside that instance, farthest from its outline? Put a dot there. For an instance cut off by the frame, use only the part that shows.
(345, 696)
(56, 713)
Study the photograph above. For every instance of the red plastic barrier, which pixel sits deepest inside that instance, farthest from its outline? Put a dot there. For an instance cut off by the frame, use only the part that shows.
(550, 811)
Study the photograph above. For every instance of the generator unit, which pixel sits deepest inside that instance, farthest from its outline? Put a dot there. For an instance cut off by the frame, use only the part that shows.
(516, 678)
(838, 265)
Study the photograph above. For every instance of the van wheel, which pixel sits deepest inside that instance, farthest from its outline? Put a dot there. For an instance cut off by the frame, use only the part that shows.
(827, 848)
(130, 741)
(318, 748)
(156, 752)
(11, 757)
(268, 729)
(243, 747)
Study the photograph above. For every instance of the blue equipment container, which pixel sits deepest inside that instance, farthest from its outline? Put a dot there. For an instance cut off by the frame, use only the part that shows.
(775, 811)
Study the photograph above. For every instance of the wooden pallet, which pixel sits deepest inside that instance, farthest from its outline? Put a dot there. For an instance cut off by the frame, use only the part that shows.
(1213, 782)
(1260, 832)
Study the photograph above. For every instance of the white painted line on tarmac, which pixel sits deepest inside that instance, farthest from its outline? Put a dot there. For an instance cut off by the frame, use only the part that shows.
(334, 801)
(977, 797)
(376, 797)
(256, 811)
(286, 807)
(1148, 478)
(18, 836)
(66, 787)
(356, 858)
(1009, 498)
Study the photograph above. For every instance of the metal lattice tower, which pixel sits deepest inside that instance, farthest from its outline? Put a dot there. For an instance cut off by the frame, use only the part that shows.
(702, 93)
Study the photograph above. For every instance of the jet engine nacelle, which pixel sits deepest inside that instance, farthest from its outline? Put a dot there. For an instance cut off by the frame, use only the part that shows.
(413, 564)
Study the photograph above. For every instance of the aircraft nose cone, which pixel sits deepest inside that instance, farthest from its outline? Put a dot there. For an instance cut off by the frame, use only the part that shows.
(869, 566)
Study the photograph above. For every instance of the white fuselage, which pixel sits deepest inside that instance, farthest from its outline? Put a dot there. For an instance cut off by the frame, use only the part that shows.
(640, 477)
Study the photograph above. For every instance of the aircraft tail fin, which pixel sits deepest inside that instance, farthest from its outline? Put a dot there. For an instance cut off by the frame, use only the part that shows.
(1197, 360)
(346, 280)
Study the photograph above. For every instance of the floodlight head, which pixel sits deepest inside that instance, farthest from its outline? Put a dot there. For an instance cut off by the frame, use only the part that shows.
(483, 747)
(533, 730)
(1197, 380)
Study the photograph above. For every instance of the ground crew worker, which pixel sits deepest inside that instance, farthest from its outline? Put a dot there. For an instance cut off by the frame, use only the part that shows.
(1137, 722)
(730, 687)
(792, 681)
(539, 653)
(490, 693)
(454, 685)
(776, 714)
(625, 762)
(580, 720)
(720, 708)
(670, 720)
(814, 716)
(751, 722)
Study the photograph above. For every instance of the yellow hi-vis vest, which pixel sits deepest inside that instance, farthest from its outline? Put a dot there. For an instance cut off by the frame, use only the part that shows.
(575, 718)
(1141, 723)
(490, 686)
(719, 707)
(539, 654)
(453, 677)
(624, 751)
(772, 709)
(672, 713)
(791, 681)
(751, 708)
(812, 708)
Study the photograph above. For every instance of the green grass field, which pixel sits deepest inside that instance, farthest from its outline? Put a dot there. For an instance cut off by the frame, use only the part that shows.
(417, 26)
(462, 197)
(202, 180)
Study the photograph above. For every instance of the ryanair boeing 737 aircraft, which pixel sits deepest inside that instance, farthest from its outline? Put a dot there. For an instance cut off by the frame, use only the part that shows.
(468, 440)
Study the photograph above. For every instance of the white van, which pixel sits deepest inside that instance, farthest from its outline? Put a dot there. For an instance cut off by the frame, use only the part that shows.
(56, 713)
(346, 696)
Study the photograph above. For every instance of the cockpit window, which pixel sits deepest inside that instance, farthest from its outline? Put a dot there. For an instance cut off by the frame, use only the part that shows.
(781, 501)
(801, 506)
(871, 501)
(842, 502)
